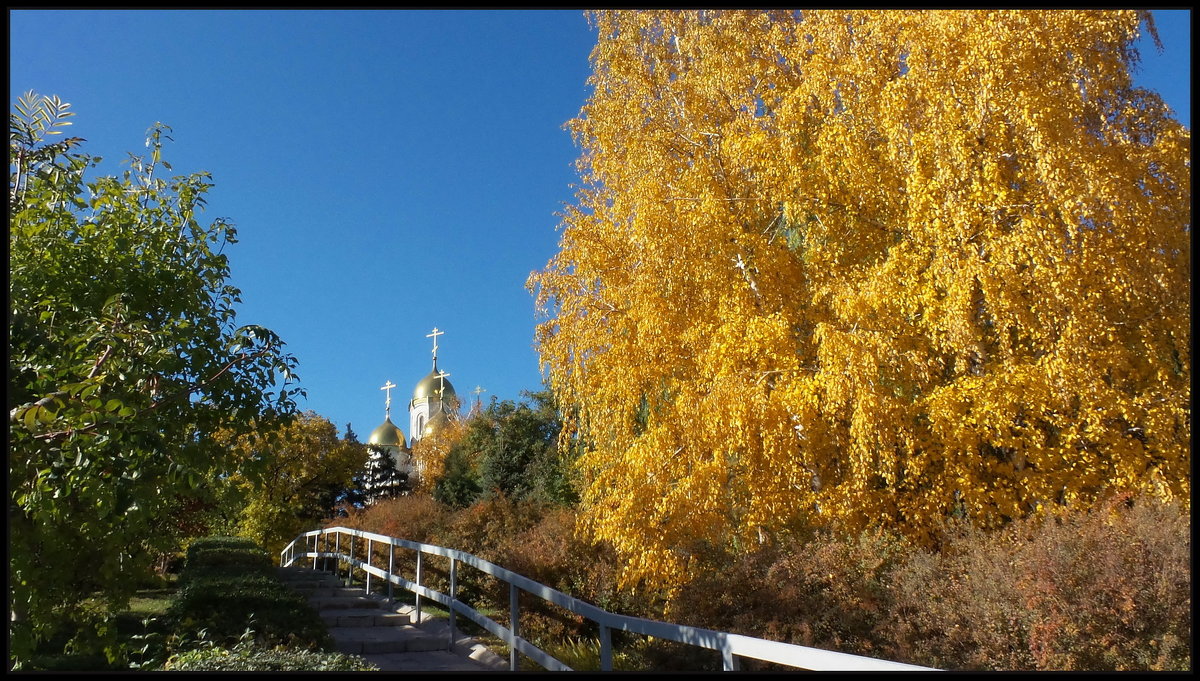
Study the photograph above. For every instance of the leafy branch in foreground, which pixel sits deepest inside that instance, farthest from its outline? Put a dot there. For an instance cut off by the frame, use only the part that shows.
(124, 359)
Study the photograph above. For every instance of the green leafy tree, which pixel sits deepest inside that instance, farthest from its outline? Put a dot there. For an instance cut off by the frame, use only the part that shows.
(296, 472)
(522, 459)
(124, 357)
(459, 484)
(509, 449)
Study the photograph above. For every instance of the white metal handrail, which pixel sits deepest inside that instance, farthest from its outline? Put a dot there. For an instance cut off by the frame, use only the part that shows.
(731, 646)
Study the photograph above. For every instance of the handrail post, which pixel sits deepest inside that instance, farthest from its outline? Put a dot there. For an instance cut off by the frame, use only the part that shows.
(513, 622)
(316, 537)
(368, 572)
(325, 550)
(605, 649)
(418, 594)
(453, 596)
(337, 552)
(350, 562)
(728, 660)
(391, 569)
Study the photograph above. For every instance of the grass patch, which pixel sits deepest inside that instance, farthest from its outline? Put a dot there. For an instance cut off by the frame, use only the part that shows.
(151, 604)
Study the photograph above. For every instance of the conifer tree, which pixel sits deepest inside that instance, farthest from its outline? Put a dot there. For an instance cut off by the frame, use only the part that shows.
(381, 479)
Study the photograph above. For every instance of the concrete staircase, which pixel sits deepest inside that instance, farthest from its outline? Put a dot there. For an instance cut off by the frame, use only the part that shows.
(387, 634)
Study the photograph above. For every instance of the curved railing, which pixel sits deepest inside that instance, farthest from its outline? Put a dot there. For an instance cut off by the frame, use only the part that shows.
(731, 646)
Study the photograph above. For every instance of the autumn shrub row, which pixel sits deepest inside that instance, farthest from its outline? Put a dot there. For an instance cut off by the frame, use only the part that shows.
(1102, 589)
(531, 539)
(1105, 589)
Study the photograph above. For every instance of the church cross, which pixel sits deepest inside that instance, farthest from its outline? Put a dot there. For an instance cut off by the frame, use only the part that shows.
(441, 382)
(434, 336)
(387, 405)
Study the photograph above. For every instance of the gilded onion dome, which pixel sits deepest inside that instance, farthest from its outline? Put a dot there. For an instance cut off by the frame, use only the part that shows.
(387, 435)
(429, 387)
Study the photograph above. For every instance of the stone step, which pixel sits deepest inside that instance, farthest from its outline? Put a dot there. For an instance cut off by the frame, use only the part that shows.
(437, 661)
(383, 631)
(345, 602)
(364, 617)
(313, 583)
(336, 592)
(375, 640)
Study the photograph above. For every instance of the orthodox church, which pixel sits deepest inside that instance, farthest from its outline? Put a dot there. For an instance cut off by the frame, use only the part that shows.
(391, 468)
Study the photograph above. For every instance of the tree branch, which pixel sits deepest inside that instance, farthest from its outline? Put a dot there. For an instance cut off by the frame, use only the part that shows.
(155, 405)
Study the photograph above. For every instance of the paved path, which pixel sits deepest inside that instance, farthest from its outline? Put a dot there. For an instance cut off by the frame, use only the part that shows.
(386, 634)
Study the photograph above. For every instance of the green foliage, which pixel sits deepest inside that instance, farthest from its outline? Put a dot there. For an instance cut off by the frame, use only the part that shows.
(380, 479)
(295, 473)
(229, 587)
(124, 358)
(509, 450)
(217, 557)
(583, 655)
(459, 484)
(251, 658)
(203, 545)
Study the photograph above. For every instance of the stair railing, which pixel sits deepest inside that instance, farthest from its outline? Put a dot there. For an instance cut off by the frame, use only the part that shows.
(731, 646)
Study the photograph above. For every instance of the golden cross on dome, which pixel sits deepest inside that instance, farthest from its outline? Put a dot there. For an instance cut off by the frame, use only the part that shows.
(434, 336)
(442, 382)
(387, 405)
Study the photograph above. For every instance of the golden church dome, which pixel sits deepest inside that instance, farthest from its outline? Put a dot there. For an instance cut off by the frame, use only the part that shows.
(387, 435)
(429, 386)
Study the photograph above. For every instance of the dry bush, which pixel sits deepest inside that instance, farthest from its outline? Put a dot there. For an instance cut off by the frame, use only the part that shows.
(415, 517)
(533, 540)
(1107, 589)
(551, 552)
(958, 609)
(538, 542)
(1103, 590)
(1111, 588)
(830, 592)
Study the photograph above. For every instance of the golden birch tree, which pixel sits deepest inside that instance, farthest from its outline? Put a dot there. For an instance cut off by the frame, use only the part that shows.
(865, 268)
(430, 453)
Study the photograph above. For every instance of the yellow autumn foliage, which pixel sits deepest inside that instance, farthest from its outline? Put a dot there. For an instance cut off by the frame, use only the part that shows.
(429, 454)
(292, 473)
(867, 268)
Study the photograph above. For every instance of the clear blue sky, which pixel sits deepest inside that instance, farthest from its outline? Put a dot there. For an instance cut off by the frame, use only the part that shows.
(389, 170)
